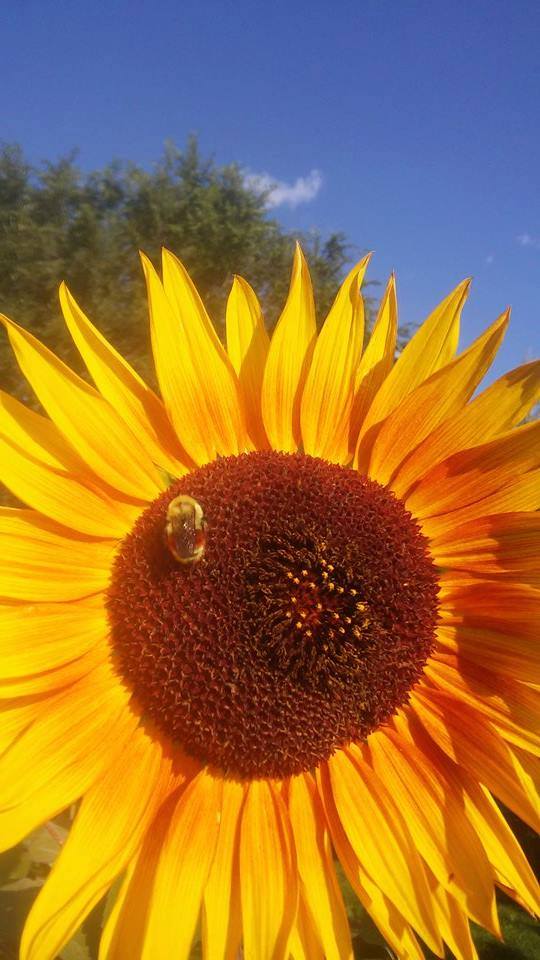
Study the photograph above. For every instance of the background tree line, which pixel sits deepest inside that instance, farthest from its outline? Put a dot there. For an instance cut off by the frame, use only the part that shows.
(58, 222)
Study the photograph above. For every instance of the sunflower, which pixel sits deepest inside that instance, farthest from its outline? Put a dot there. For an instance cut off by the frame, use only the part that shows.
(283, 618)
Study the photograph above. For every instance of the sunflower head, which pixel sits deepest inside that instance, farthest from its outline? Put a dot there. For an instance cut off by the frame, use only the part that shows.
(317, 639)
(304, 626)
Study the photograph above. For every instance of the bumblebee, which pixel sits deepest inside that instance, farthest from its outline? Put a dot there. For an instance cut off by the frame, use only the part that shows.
(185, 529)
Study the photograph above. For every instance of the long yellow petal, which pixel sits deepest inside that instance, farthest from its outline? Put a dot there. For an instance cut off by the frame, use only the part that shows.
(374, 829)
(376, 361)
(125, 390)
(427, 351)
(473, 742)
(381, 908)
(40, 561)
(17, 715)
(506, 607)
(288, 361)
(35, 638)
(222, 921)
(125, 930)
(51, 681)
(433, 811)
(498, 408)
(183, 868)
(269, 895)
(62, 497)
(508, 653)
(38, 436)
(522, 494)
(437, 399)
(304, 943)
(505, 545)
(196, 378)
(107, 831)
(498, 841)
(502, 849)
(116, 931)
(63, 753)
(90, 424)
(213, 367)
(320, 888)
(452, 921)
(511, 707)
(477, 472)
(328, 393)
(247, 346)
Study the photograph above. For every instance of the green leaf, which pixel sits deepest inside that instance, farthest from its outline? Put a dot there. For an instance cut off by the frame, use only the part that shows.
(44, 844)
(77, 949)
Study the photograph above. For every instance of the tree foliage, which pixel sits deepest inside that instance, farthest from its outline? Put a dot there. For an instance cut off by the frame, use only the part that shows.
(60, 223)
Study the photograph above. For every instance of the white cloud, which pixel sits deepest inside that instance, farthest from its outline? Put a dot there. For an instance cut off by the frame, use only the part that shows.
(279, 193)
(527, 240)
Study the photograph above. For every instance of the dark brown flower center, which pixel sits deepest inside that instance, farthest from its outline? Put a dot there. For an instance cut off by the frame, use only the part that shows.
(303, 625)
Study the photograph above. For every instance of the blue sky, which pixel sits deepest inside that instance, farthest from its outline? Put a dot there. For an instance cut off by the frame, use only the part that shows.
(411, 125)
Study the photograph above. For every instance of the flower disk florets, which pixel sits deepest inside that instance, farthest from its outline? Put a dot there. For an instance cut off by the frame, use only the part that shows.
(304, 626)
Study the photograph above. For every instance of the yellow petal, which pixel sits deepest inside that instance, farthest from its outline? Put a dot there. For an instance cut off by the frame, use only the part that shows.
(374, 829)
(303, 943)
(247, 346)
(430, 348)
(498, 408)
(288, 361)
(506, 607)
(16, 716)
(51, 681)
(113, 938)
(125, 390)
(328, 392)
(510, 654)
(87, 421)
(500, 844)
(195, 376)
(519, 495)
(35, 638)
(388, 919)
(433, 811)
(382, 910)
(376, 361)
(320, 888)
(504, 545)
(215, 371)
(106, 833)
(42, 561)
(268, 877)
(59, 756)
(437, 399)
(37, 436)
(182, 870)
(62, 497)
(452, 921)
(473, 743)
(125, 930)
(472, 474)
(511, 707)
(222, 922)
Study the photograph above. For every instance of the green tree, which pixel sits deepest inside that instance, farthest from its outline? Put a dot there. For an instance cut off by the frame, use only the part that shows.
(59, 223)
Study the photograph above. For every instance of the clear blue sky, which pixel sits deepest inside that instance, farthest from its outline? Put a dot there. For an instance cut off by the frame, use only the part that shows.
(421, 117)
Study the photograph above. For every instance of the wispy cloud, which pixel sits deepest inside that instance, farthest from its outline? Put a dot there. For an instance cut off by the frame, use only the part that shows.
(279, 193)
(528, 240)
(489, 259)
